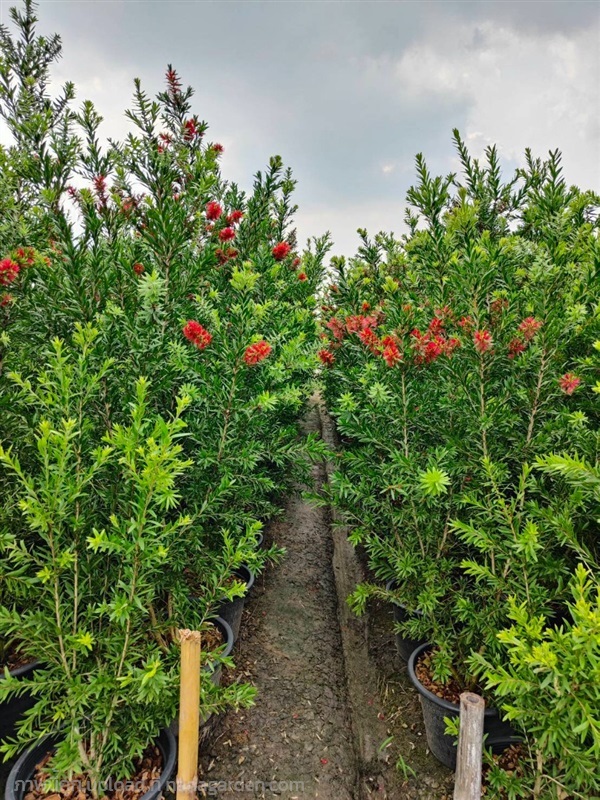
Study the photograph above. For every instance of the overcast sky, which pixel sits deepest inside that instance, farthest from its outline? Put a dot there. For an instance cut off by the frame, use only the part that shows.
(348, 92)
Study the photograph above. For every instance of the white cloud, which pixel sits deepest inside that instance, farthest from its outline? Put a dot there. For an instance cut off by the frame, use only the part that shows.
(522, 90)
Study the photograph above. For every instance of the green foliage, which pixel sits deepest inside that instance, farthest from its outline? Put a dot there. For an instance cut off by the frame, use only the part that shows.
(116, 248)
(457, 366)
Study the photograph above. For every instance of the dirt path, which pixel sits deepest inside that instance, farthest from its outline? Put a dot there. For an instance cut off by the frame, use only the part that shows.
(331, 688)
(299, 733)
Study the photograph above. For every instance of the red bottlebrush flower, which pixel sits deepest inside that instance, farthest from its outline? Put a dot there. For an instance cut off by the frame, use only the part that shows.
(281, 251)
(9, 271)
(217, 148)
(369, 339)
(302, 276)
(173, 82)
(196, 334)
(466, 323)
(434, 348)
(25, 256)
(334, 288)
(326, 357)
(223, 256)
(296, 262)
(257, 352)
(336, 327)
(407, 308)
(569, 382)
(391, 354)
(213, 210)
(451, 345)
(482, 340)
(6, 300)
(498, 305)
(516, 347)
(365, 307)
(138, 269)
(190, 130)
(226, 234)
(235, 217)
(529, 327)
(436, 326)
(100, 184)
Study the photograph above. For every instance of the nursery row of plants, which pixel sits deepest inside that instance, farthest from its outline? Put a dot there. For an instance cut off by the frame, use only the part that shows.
(158, 344)
(462, 365)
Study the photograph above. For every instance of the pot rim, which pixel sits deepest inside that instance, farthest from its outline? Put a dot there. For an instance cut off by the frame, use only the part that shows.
(18, 672)
(165, 740)
(390, 588)
(424, 692)
(225, 628)
(244, 573)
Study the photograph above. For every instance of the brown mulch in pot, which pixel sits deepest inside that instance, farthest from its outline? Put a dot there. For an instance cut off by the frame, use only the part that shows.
(212, 638)
(510, 760)
(450, 691)
(15, 659)
(149, 770)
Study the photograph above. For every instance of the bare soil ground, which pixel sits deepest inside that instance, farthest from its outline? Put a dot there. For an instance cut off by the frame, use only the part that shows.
(335, 710)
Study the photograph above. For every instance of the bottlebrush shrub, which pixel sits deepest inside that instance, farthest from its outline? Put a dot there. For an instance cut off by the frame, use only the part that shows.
(451, 361)
(144, 238)
(95, 518)
(549, 687)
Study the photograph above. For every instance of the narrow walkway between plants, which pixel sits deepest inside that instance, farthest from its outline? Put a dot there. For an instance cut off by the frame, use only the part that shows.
(299, 733)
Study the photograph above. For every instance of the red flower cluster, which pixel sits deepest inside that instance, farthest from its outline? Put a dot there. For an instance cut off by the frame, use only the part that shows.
(391, 352)
(369, 338)
(281, 251)
(569, 382)
(9, 270)
(25, 256)
(360, 323)
(516, 347)
(429, 345)
(138, 269)
(326, 357)
(223, 256)
(466, 323)
(302, 276)
(257, 352)
(529, 327)
(6, 300)
(190, 130)
(336, 327)
(296, 262)
(226, 234)
(217, 148)
(235, 217)
(196, 334)
(213, 210)
(482, 340)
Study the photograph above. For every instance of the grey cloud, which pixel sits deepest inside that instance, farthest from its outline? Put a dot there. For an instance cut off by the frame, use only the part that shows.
(320, 82)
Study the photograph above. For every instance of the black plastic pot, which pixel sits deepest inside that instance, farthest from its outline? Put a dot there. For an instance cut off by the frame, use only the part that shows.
(499, 745)
(20, 779)
(435, 709)
(260, 539)
(12, 710)
(231, 610)
(404, 645)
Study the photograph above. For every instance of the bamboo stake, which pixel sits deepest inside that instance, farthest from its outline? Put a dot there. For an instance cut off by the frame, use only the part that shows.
(467, 784)
(189, 715)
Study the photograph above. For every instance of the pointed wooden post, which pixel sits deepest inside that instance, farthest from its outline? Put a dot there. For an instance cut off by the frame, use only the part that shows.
(189, 715)
(467, 784)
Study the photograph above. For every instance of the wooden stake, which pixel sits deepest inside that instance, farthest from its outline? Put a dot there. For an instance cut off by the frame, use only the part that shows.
(467, 784)
(189, 715)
